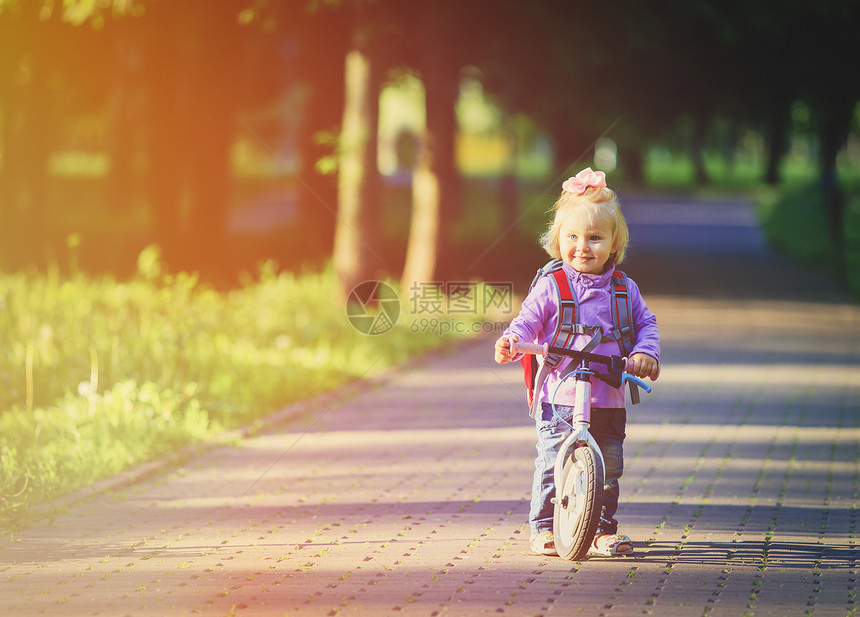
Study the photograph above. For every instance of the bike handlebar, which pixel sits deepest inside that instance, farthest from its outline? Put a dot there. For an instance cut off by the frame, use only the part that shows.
(617, 365)
(535, 349)
(628, 377)
(545, 349)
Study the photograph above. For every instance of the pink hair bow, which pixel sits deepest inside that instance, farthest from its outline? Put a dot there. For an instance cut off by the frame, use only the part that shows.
(579, 183)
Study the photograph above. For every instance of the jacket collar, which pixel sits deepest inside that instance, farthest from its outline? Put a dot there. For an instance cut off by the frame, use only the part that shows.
(585, 280)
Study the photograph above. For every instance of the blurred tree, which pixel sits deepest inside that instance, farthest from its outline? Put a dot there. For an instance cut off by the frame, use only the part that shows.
(664, 64)
(544, 73)
(831, 31)
(125, 108)
(393, 35)
(194, 53)
(180, 73)
(355, 256)
(318, 40)
(425, 228)
(51, 72)
(766, 59)
(437, 185)
(445, 42)
(27, 66)
(789, 51)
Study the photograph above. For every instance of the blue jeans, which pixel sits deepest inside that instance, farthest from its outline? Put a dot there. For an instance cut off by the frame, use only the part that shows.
(608, 429)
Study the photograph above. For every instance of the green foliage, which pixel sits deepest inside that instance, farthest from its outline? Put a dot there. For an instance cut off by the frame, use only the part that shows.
(852, 243)
(795, 223)
(98, 375)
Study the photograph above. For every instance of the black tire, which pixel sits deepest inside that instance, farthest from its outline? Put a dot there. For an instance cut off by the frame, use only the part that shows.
(579, 501)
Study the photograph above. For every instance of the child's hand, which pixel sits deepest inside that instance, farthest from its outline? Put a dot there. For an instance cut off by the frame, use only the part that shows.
(503, 348)
(645, 366)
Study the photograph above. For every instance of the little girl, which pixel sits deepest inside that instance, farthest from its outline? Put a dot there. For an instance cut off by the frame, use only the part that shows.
(589, 234)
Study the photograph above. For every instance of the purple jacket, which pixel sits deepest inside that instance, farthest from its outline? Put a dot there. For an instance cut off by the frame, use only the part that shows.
(537, 321)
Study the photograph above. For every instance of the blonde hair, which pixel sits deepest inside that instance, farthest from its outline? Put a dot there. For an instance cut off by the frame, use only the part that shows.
(601, 203)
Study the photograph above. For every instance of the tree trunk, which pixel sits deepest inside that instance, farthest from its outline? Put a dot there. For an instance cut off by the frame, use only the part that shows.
(698, 149)
(121, 182)
(421, 251)
(28, 125)
(125, 109)
(835, 126)
(11, 169)
(442, 126)
(633, 163)
(509, 194)
(212, 133)
(320, 65)
(167, 157)
(193, 54)
(212, 127)
(441, 83)
(355, 259)
(571, 149)
(777, 142)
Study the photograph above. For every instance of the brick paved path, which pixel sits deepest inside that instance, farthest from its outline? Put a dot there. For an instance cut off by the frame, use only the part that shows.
(410, 498)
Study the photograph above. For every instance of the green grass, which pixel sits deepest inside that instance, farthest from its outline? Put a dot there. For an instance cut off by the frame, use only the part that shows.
(667, 169)
(792, 214)
(852, 243)
(795, 224)
(98, 375)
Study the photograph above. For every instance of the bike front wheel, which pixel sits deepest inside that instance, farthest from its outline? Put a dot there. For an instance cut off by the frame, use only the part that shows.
(579, 500)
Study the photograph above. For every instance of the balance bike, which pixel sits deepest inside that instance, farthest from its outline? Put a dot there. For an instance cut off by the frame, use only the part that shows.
(579, 467)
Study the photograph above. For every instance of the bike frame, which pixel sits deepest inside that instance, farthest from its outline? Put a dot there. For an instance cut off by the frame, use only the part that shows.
(582, 399)
(581, 421)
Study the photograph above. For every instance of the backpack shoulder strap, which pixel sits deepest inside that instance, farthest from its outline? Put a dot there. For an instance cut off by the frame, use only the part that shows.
(622, 312)
(567, 327)
(622, 321)
(550, 266)
(568, 312)
(568, 306)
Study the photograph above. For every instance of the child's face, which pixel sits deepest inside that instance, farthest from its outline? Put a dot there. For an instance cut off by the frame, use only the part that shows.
(584, 242)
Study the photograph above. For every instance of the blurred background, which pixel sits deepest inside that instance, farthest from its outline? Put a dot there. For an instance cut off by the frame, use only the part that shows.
(189, 189)
(407, 138)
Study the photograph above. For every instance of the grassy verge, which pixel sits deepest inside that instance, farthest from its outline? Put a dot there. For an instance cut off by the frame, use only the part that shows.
(99, 375)
(795, 224)
(852, 244)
